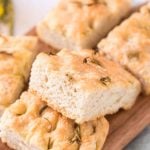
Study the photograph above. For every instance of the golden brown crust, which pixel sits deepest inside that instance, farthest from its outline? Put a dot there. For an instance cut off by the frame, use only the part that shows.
(86, 68)
(12, 44)
(16, 57)
(85, 22)
(129, 45)
(8, 86)
(40, 126)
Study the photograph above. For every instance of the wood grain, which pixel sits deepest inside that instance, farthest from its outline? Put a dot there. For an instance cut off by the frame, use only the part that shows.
(124, 126)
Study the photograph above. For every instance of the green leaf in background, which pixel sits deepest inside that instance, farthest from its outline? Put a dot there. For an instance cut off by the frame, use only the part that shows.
(6, 17)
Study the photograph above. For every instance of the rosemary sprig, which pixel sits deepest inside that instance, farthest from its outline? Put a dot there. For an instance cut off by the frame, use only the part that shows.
(105, 80)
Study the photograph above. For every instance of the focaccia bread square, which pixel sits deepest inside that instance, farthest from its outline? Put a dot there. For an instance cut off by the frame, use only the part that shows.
(16, 57)
(83, 85)
(17, 54)
(29, 124)
(80, 24)
(129, 45)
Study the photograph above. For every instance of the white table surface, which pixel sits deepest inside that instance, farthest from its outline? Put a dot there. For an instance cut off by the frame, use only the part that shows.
(28, 14)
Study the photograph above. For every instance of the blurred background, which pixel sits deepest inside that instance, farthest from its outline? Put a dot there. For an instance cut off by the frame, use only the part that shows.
(29, 13)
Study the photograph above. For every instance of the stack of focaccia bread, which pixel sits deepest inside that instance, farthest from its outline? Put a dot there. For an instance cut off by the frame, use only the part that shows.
(69, 93)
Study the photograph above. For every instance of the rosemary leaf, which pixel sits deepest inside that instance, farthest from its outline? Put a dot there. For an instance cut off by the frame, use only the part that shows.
(42, 109)
(50, 144)
(105, 80)
(76, 137)
(92, 60)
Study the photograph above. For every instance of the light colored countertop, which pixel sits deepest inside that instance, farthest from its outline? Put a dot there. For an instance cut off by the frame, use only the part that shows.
(28, 13)
(142, 142)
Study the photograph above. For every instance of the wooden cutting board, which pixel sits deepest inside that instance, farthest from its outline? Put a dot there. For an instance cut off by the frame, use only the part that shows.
(124, 126)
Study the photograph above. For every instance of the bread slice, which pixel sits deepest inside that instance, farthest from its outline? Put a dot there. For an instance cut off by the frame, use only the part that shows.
(129, 44)
(78, 24)
(16, 57)
(29, 124)
(82, 85)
